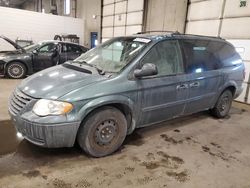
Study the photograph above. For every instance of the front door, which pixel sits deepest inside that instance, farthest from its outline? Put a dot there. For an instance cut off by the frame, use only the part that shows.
(45, 57)
(163, 96)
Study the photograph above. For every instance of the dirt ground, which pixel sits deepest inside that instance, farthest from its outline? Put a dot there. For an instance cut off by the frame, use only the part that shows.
(194, 151)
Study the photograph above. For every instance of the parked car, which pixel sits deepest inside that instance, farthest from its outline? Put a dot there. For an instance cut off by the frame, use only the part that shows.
(126, 83)
(28, 60)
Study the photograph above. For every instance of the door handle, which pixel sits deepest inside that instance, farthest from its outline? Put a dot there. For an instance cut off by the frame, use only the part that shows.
(194, 84)
(182, 86)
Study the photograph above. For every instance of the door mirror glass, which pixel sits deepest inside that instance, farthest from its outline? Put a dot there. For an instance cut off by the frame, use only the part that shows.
(35, 51)
(147, 69)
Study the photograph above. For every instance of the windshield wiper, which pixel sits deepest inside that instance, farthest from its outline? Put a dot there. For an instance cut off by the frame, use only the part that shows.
(100, 71)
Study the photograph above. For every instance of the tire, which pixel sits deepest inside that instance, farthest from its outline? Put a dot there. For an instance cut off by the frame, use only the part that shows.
(16, 70)
(103, 132)
(223, 104)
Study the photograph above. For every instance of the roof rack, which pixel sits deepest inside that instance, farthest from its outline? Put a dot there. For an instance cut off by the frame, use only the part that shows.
(158, 31)
(198, 35)
(176, 33)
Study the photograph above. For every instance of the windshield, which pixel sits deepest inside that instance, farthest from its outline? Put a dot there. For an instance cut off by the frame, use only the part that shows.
(32, 47)
(113, 55)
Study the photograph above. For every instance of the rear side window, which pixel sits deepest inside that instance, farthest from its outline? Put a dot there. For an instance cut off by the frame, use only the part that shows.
(207, 55)
(84, 49)
(227, 54)
(200, 56)
(72, 48)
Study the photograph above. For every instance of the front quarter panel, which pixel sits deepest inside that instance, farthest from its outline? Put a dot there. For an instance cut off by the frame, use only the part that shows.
(22, 58)
(107, 100)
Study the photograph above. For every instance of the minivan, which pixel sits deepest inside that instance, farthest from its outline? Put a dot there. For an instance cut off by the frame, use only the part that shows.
(126, 83)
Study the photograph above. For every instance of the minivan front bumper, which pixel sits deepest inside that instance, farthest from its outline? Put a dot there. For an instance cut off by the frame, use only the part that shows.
(49, 131)
(46, 135)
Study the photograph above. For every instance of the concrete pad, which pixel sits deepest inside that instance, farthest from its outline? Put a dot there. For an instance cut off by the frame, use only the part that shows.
(6, 87)
(193, 151)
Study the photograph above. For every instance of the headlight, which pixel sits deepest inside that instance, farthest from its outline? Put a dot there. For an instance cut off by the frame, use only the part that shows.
(45, 107)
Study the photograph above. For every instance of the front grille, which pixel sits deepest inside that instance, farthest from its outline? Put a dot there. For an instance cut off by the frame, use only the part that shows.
(18, 101)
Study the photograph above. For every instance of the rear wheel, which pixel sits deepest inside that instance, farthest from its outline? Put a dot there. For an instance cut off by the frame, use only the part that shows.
(103, 132)
(223, 104)
(16, 70)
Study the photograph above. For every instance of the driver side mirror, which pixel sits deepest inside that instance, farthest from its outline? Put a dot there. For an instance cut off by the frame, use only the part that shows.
(35, 52)
(147, 69)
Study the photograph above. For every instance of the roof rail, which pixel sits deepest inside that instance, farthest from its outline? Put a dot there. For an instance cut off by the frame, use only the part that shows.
(198, 35)
(177, 33)
(158, 31)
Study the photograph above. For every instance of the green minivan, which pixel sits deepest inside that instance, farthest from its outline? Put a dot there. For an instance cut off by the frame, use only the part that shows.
(126, 83)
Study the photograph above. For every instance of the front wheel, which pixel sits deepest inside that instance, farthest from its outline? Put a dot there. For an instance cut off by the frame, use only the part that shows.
(223, 104)
(103, 132)
(16, 70)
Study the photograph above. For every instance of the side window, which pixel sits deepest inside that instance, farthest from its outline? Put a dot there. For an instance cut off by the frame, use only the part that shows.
(84, 49)
(74, 49)
(227, 55)
(48, 48)
(71, 48)
(200, 55)
(166, 55)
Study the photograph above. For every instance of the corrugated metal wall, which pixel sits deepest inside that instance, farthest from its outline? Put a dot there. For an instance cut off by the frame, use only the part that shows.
(228, 19)
(121, 17)
(162, 15)
(126, 17)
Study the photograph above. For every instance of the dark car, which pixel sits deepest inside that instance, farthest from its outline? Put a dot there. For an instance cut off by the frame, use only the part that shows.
(28, 60)
(126, 83)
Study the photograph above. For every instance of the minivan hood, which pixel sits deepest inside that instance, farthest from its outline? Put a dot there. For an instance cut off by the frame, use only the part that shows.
(56, 81)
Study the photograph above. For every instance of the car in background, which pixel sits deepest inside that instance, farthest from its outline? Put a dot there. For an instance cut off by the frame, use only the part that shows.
(28, 60)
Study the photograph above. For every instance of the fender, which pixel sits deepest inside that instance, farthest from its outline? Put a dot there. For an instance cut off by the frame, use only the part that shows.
(231, 83)
(226, 85)
(109, 100)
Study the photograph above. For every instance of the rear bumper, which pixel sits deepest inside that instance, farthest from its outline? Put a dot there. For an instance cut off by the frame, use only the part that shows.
(238, 92)
(47, 135)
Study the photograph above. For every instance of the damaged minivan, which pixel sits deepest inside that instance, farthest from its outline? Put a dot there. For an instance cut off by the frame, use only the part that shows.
(126, 83)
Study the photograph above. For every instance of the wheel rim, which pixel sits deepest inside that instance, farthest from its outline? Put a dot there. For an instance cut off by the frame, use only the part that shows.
(106, 132)
(224, 104)
(15, 70)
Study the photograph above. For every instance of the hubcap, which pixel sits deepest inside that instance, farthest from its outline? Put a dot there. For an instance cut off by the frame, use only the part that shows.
(224, 103)
(105, 132)
(15, 71)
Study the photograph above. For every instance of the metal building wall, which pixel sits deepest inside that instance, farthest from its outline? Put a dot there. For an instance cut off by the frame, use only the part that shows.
(165, 15)
(121, 17)
(227, 19)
